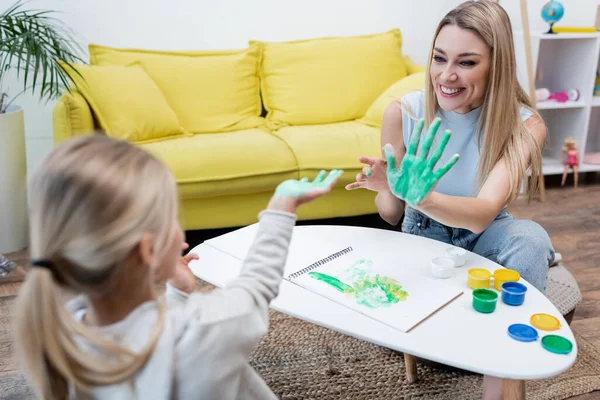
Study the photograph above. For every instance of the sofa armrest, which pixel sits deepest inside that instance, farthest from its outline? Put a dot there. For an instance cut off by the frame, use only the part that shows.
(71, 117)
(413, 68)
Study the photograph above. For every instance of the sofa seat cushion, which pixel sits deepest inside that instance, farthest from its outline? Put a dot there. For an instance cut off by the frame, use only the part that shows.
(332, 146)
(215, 164)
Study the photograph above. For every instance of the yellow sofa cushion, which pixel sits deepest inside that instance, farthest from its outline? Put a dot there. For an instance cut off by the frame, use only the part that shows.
(327, 80)
(126, 102)
(331, 146)
(217, 164)
(210, 91)
(374, 116)
(413, 68)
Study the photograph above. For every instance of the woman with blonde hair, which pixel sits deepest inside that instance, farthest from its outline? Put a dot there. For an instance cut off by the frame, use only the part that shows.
(473, 92)
(104, 227)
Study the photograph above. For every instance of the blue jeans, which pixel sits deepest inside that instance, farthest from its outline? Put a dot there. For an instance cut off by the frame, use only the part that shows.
(521, 245)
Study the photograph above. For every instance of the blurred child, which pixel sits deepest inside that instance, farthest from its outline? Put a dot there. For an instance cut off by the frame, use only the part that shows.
(103, 217)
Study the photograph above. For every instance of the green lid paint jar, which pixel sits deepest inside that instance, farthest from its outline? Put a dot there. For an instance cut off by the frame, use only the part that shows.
(484, 300)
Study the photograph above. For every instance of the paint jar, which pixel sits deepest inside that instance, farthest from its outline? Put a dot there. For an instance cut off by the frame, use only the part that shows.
(442, 267)
(505, 275)
(484, 300)
(457, 255)
(478, 278)
(513, 293)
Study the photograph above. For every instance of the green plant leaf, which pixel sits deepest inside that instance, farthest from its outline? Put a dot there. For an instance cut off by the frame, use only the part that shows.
(32, 43)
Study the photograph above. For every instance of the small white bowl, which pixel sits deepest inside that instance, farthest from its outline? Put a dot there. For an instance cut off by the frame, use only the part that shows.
(458, 255)
(442, 267)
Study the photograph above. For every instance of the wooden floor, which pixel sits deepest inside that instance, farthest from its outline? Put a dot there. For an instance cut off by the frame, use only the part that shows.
(571, 217)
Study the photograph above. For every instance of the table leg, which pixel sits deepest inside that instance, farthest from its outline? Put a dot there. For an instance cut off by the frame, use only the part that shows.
(513, 389)
(411, 368)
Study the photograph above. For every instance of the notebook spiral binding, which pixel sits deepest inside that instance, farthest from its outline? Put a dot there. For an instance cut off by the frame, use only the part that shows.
(320, 262)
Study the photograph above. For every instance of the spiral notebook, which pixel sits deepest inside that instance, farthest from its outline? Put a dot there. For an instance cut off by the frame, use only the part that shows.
(386, 292)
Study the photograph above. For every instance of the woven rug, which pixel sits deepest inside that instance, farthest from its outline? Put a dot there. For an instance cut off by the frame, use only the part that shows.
(299, 360)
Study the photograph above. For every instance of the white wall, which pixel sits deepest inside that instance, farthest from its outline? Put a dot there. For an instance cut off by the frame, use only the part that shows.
(227, 24)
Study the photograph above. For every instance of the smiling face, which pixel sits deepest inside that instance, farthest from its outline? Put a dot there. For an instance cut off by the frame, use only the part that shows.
(460, 69)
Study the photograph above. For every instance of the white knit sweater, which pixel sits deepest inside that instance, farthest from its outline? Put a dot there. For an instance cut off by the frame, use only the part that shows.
(207, 338)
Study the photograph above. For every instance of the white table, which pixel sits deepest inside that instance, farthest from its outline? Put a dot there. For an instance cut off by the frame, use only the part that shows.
(457, 335)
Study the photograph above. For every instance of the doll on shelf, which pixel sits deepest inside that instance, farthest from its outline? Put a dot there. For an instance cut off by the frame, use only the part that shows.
(570, 150)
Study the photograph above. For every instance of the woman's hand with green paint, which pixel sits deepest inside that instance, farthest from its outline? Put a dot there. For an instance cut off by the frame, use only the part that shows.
(290, 194)
(415, 178)
(373, 175)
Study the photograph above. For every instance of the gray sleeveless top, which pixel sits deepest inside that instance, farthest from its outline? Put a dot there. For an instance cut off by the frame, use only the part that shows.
(461, 179)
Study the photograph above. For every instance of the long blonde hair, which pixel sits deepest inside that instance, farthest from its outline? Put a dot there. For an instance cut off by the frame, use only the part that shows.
(500, 125)
(91, 201)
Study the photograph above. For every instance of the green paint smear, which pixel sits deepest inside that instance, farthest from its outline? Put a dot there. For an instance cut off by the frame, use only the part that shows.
(371, 290)
(376, 291)
(415, 178)
(293, 188)
(332, 281)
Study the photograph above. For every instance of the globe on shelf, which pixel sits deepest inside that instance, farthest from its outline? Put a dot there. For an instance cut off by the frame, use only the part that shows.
(552, 12)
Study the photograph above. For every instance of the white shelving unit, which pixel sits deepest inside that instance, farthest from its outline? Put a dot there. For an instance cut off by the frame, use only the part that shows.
(565, 61)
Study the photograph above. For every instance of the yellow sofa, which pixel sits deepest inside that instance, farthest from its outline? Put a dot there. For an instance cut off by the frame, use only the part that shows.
(232, 125)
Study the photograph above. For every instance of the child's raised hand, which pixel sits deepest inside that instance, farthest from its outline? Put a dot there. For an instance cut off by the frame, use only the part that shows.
(184, 279)
(415, 178)
(290, 194)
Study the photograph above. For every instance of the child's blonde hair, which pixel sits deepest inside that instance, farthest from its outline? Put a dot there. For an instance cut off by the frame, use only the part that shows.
(91, 201)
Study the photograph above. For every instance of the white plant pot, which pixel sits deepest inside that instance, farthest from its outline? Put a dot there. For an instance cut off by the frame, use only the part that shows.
(13, 181)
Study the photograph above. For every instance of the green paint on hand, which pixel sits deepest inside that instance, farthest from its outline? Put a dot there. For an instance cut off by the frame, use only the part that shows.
(371, 290)
(332, 281)
(296, 188)
(415, 178)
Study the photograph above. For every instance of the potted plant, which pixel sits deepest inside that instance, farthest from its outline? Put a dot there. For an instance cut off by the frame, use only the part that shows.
(32, 43)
